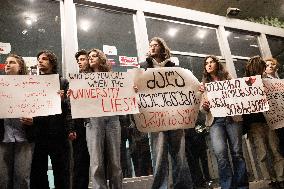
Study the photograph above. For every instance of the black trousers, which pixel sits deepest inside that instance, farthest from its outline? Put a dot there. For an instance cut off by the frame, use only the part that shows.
(59, 152)
(81, 159)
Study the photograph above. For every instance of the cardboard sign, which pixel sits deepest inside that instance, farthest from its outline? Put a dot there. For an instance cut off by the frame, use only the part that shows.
(168, 99)
(29, 95)
(99, 94)
(128, 61)
(274, 89)
(237, 96)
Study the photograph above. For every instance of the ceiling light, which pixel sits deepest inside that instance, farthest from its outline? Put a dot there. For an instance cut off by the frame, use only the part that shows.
(172, 32)
(85, 25)
(201, 34)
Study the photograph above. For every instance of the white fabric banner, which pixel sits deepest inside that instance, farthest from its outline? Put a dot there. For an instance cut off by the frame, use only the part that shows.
(237, 96)
(274, 89)
(29, 95)
(100, 94)
(168, 99)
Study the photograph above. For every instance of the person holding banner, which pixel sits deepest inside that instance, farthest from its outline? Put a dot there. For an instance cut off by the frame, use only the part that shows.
(261, 135)
(16, 139)
(105, 137)
(77, 135)
(51, 136)
(223, 130)
(272, 66)
(167, 142)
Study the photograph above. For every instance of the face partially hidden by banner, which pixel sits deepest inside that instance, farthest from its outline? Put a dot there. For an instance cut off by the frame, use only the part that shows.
(168, 99)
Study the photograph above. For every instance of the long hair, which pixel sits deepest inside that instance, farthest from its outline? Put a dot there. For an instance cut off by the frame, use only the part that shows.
(274, 61)
(165, 50)
(21, 62)
(221, 72)
(52, 59)
(104, 65)
(255, 66)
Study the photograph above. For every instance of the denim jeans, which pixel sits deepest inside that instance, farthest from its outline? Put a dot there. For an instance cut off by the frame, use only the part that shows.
(15, 165)
(171, 142)
(224, 130)
(104, 142)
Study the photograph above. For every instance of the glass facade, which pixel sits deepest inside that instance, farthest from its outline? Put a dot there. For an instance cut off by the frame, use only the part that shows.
(276, 45)
(30, 26)
(111, 30)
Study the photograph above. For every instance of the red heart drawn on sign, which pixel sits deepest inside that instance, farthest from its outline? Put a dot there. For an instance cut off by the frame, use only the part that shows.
(250, 81)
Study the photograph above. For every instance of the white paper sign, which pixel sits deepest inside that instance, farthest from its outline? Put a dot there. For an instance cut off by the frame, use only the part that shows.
(5, 48)
(128, 61)
(29, 95)
(274, 89)
(168, 99)
(237, 96)
(30, 61)
(109, 50)
(99, 94)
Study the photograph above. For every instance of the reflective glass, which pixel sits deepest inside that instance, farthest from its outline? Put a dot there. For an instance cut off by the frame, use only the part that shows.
(276, 45)
(98, 28)
(183, 37)
(30, 26)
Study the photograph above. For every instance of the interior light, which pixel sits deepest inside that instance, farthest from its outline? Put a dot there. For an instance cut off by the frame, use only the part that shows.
(85, 25)
(256, 46)
(172, 32)
(201, 34)
(227, 33)
(28, 21)
(30, 18)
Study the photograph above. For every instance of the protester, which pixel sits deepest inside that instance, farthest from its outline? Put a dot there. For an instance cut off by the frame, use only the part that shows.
(81, 157)
(261, 136)
(16, 140)
(223, 130)
(167, 142)
(105, 135)
(51, 135)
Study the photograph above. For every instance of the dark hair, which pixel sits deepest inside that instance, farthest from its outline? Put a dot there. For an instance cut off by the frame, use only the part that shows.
(81, 52)
(221, 72)
(52, 59)
(21, 62)
(165, 50)
(104, 65)
(255, 66)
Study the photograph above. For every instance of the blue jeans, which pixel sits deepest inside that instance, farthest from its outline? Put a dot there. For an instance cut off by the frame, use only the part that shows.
(224, 130)
(104, 135)
(171, 142)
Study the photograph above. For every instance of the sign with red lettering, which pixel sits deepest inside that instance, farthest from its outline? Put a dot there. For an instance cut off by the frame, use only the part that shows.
(237, 96)
(274, 89)
(5, 48)
(99, 94)
(168, 99)
(29, 95)
(128, 61)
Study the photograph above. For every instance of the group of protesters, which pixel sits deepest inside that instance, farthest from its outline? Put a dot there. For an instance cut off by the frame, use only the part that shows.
(98, 143)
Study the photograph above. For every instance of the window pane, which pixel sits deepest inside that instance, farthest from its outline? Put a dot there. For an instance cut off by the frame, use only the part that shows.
(97, 27)
(194, 64)
(30, 26)
(240, 67)
(184, 38)
(276, 45)
(243, 44)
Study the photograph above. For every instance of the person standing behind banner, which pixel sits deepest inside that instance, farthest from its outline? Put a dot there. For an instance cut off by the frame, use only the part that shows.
(272, 66)
(223, 130)
(16, 140)
(51, 135)
(261, 135)
(105, 137)
(77, 135)
(167, 142)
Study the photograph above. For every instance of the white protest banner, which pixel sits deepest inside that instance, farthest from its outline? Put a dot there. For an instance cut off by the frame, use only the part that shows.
(237, 96)
(99, 94)
(274, 89)
(168, 99)
(29, 95)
